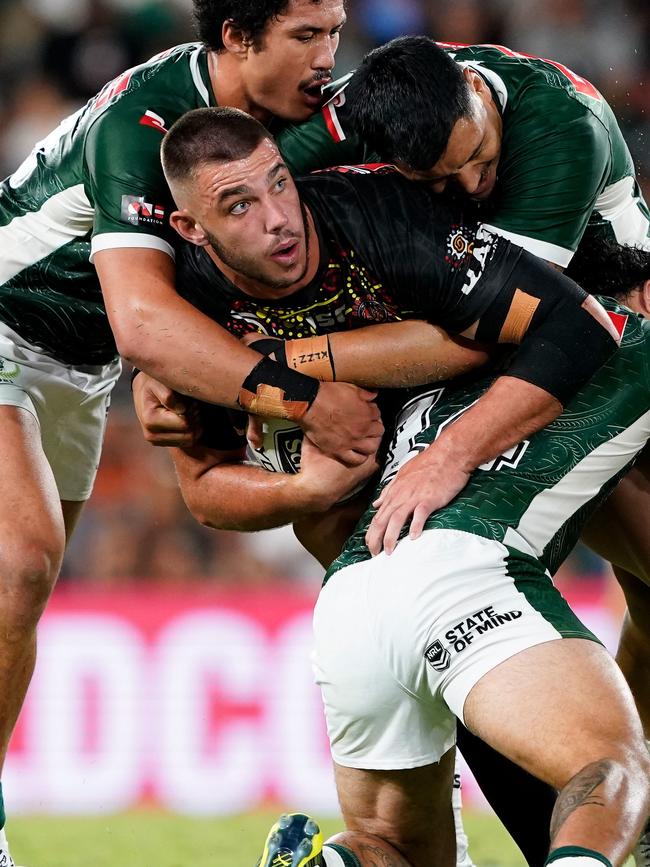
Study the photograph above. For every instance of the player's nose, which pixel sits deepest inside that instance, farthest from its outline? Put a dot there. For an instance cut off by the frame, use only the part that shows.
(469, 178)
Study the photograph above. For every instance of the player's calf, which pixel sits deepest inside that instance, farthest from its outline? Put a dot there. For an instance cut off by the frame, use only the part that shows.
(563, 711)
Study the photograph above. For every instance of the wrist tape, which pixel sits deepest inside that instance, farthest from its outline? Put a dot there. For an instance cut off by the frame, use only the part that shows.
(273, 390)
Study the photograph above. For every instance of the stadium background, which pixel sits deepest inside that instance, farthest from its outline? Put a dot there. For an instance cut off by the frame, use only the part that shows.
(172, 666)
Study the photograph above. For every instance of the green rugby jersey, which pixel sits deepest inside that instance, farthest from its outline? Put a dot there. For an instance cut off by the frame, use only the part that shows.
(94, 183)
(564, 168)
(536, 497)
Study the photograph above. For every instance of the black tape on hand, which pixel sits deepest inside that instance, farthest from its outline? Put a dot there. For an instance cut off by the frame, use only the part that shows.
(273, 390)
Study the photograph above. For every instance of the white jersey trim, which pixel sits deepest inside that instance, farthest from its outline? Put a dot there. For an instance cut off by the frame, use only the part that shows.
(33, 236)
(498, 84)
(122, 240)
(623, 210)
(196, 75)
(551, 252)
(551, 508)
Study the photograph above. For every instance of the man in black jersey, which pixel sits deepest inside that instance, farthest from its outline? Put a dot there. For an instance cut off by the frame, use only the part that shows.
(353, 249)
(256, 279)
(242, 311)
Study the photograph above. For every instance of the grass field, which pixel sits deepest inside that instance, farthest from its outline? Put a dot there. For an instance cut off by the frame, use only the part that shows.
(152, 839)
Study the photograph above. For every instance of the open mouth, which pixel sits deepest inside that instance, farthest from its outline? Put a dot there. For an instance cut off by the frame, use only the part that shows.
(285, 253)
(313, 93)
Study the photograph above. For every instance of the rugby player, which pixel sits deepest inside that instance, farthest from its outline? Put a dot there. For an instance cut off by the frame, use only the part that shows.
(540, 149)
(236, 192)
(478, 631)
(87, 271)
(226, 263)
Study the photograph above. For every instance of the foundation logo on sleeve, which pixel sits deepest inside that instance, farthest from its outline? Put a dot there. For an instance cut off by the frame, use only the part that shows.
(137, 212)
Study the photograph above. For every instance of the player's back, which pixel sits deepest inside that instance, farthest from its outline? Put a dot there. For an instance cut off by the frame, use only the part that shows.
(536, 497)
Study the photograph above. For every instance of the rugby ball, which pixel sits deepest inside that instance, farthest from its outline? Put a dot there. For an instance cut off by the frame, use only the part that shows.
(280, 450)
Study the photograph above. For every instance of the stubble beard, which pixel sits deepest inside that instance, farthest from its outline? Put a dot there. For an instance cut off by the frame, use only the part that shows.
(248, 268)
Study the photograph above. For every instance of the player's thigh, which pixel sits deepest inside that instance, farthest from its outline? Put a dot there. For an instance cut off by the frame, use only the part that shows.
(555, 708)
(620, 529)
(31, 518)
(411, 809)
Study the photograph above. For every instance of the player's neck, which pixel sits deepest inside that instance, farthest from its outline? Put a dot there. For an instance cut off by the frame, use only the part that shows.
(228, 85)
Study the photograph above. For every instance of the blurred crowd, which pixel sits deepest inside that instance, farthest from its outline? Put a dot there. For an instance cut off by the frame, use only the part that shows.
(55, 54)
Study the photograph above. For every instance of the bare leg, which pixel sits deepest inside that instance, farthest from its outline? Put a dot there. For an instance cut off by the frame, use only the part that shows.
(562, 710)
(410, 810)
(32, 539)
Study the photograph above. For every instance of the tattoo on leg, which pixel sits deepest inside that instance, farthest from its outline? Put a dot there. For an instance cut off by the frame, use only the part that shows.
(579, 792)
(375, 856)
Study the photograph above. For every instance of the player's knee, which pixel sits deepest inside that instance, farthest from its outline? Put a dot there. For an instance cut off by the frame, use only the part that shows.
(29, 566)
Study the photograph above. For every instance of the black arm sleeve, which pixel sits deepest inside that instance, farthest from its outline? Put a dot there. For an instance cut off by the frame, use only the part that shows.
(563, 345)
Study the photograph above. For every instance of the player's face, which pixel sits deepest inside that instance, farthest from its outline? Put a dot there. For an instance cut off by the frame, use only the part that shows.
(284, 73)
(252, 218)
(472, 154)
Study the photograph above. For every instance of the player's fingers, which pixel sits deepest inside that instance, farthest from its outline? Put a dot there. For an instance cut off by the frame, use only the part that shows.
(255, 431)
(420, 515)
(394, 527)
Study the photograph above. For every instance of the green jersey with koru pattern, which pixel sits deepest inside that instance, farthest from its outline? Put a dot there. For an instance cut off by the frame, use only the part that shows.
(536, 497)
(564, 167)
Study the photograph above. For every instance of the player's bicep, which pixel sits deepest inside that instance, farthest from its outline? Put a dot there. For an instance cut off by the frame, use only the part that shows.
(563, 334)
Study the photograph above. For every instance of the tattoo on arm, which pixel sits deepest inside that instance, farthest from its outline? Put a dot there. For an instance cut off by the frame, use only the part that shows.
(580, 792)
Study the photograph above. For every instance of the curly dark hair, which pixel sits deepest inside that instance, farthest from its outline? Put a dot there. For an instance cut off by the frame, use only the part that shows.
(607, 268)
(250, 16)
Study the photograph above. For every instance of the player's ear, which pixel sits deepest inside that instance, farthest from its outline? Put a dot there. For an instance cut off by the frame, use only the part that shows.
(645, 298)
(234, 39)
(188, 228)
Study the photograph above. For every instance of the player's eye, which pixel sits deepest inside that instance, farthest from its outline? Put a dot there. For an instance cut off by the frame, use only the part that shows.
(280, 184)
(305, 37)
(239, 208)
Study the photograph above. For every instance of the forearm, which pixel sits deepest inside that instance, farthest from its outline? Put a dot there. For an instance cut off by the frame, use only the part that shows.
(402, 354)
(241, 497)
(391, 355)
(509, 412)
(563, 334)
(185, 350)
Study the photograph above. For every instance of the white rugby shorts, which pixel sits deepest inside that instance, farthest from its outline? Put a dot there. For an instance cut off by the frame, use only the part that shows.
(69, 403)
(400, 640)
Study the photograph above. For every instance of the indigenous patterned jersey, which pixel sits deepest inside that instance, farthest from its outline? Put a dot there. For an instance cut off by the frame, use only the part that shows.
(94, 183)
(536, 497)
(564, 165)
(389, 251)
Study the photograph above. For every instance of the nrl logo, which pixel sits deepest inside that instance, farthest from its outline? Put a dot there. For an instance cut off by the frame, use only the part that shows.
(9, 370)
(437, 656)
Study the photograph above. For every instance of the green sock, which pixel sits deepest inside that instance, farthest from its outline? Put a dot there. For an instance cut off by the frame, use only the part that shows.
(339, 856)
(576, 856)
(3, 817)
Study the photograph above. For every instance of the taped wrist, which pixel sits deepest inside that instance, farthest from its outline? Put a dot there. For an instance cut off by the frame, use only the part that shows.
(309, 355)
(312, 356)
(273, 390)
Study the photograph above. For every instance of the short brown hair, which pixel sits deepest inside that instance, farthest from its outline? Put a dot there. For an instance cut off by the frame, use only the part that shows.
(207, 135)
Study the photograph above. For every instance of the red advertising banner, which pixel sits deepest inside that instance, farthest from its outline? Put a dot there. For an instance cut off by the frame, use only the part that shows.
(196, 700)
